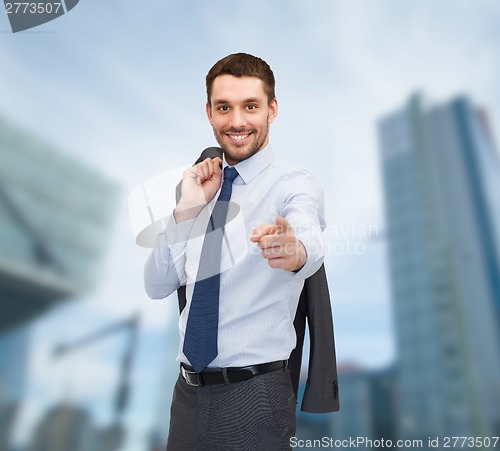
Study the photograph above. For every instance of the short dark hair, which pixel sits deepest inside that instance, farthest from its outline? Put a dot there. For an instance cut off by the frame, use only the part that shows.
(242, 65)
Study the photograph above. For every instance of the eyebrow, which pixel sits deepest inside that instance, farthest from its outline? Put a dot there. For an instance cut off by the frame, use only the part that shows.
(225, 102)
(219, 102)
(252, 100)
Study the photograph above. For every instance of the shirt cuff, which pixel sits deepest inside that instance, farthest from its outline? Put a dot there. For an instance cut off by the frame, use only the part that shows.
(315, 255)
(171, 243)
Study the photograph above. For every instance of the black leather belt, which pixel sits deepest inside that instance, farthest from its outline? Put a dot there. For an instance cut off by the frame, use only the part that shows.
(211, 376)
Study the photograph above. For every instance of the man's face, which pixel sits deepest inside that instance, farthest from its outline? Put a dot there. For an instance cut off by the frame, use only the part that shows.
(240, 114)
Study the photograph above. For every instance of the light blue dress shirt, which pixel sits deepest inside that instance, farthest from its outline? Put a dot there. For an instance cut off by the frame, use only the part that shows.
(257, 303)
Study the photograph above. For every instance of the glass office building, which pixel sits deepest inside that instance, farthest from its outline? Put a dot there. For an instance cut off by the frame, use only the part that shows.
(55, 215)
(441, 175)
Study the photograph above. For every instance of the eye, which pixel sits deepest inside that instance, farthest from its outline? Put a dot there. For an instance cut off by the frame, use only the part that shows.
(223, 108)
(251, 107)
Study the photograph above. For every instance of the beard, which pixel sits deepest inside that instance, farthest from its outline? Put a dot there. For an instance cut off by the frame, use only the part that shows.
(233, 152)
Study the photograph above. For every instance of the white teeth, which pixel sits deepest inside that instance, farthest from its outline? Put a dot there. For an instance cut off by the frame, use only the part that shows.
(239, 137)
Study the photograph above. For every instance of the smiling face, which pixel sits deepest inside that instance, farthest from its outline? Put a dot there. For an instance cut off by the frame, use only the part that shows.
(240, 114)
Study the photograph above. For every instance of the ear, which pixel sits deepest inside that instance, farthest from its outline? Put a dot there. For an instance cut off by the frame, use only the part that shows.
(273, 111)
(208, 109)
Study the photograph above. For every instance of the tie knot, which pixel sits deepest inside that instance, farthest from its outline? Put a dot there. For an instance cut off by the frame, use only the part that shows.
(230, 173)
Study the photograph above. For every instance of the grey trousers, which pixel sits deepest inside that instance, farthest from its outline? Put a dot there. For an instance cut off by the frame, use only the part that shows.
(256, 414)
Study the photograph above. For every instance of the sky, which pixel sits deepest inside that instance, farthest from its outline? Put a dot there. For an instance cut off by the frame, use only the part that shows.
(120, 86)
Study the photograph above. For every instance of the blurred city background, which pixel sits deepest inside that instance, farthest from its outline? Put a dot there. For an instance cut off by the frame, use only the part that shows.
(394, 106)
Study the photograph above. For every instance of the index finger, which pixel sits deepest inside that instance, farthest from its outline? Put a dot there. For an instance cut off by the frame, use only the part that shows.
(262, 230)
(217, 162)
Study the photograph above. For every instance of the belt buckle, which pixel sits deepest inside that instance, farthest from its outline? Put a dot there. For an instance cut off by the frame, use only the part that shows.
(187, 377)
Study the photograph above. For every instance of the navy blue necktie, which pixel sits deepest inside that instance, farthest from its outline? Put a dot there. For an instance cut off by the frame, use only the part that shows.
(200, 339)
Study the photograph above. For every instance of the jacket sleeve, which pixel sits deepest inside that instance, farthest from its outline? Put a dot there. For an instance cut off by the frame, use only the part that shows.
(321, 393)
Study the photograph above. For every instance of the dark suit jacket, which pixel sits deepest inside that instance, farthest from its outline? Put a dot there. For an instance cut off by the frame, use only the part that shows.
(321, 394)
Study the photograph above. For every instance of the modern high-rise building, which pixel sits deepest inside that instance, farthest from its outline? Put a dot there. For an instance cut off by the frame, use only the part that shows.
(441, 175)
(64, 427)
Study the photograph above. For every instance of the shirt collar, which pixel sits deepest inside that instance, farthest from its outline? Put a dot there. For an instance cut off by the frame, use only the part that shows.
(251, 167)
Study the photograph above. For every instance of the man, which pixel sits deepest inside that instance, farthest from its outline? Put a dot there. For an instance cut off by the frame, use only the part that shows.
(234, 391)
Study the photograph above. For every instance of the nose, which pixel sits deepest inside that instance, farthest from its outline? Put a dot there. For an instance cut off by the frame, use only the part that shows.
(237, 119)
